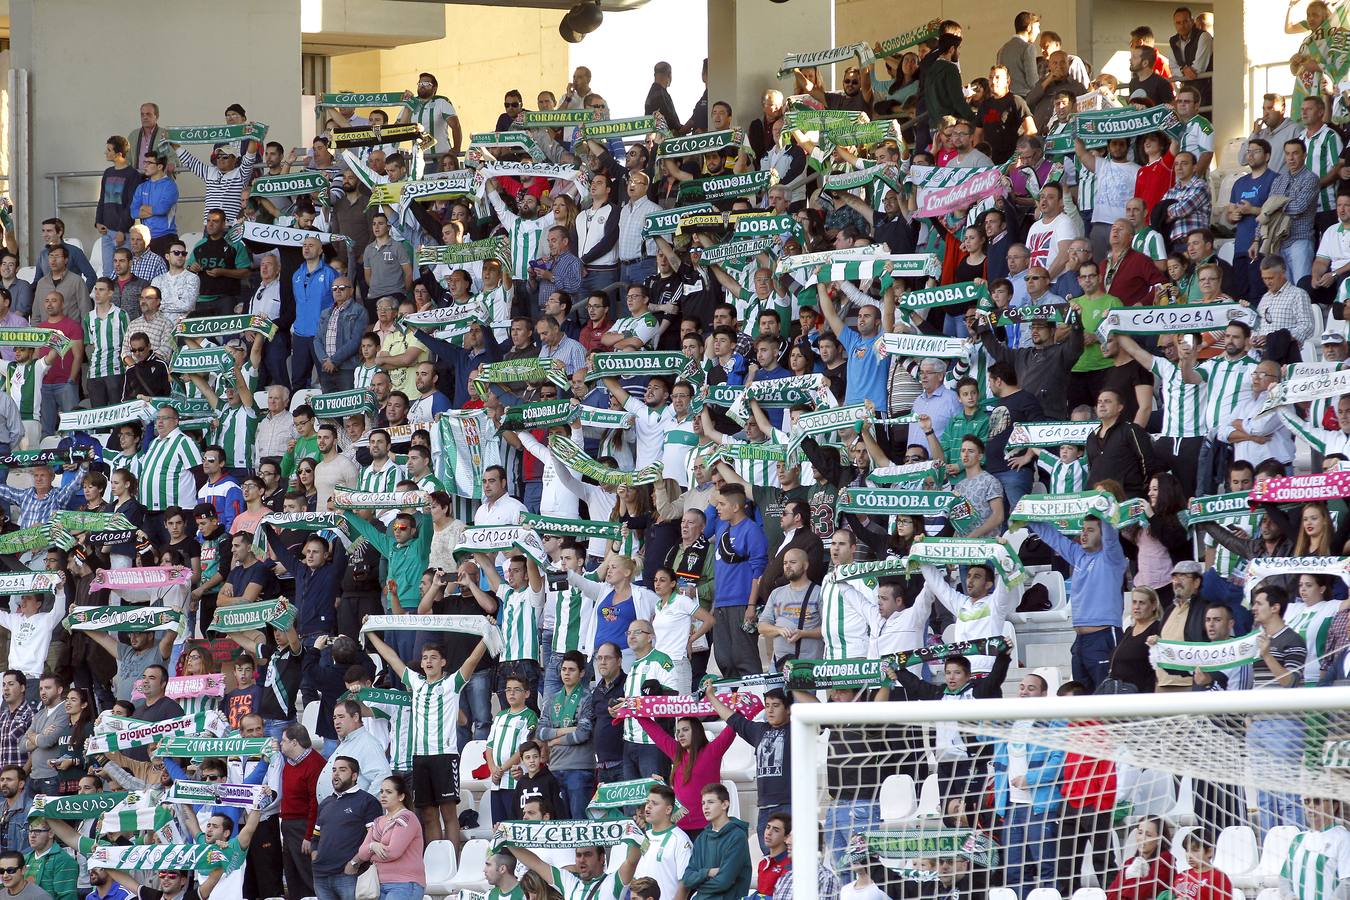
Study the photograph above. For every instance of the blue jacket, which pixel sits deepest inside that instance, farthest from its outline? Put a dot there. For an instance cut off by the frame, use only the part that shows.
(316, 591)
(460, 363)
(1043, 770)
(313, 294)
(1098, 578)
(733, 580)
(161, 196)
(352, 322)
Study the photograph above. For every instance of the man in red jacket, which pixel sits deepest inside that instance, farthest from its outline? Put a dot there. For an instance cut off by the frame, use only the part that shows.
(299, 807)
(1089, 788)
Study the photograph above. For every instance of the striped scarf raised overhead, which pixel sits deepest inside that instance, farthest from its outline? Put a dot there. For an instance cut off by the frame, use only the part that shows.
(468, 446)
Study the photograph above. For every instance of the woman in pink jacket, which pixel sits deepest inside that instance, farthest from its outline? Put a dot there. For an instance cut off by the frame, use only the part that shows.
(394, 843)
(695, 763)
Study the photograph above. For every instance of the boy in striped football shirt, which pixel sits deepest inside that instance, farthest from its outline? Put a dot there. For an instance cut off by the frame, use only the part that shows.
(435, 721)
(22, 380)
(104, 328)
(510, 728)
(1067, 471)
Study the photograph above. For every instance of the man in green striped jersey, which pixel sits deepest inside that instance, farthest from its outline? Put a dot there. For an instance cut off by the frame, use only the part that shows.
(1228, 379)
(522, 601)
(510, 728)
(166, 470)
(419, 470)
(641, 757)
(1146, 240)
(236, 425)
(383, 474)
(500, 873)
(1319, 858)
(1184, 398)
(22, 380)
(435, 720)
(104, 328)
(591, 880)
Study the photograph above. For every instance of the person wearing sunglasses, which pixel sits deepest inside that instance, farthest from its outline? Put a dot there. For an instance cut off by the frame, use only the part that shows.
(50, 868)
(178, 287)
(437, 116)
(511, 107)
(14, 878)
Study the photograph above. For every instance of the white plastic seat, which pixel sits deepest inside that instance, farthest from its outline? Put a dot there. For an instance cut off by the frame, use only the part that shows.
(260, 400)
(485, 823)
(469, 875)
(440, 863)
(1269, 893)
(930, 799)
(1059, 609)
(471, 758)
(1002, 894)
(301, 397)
(1236, 852)
(27, 273)
(739, 763)
(733, 793)
(1183, 812)
(1275, 852)
(1154, 794)
(190, 240)
(76, 243)
(50, 442)
(897, 798)
(1044, 894)
(1178, 848)
(310, 717)
(1089, 894)
(96, 256)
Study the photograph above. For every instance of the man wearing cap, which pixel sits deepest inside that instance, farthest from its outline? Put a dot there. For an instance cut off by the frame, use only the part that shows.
(225, 181)
(1184, 622)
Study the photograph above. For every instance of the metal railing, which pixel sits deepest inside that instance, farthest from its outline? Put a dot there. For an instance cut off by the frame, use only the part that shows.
(57, 205)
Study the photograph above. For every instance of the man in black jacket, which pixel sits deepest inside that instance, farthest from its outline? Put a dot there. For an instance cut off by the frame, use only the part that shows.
(797, 534)
(148, 375)
(1119, 449)
(340, 828)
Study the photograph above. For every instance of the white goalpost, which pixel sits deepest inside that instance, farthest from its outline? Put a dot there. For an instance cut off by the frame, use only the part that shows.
(1287, 748)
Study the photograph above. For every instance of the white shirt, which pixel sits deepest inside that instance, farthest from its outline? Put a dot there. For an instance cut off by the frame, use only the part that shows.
(556, 500)
(666, 858)
(31, 636)
(1115, 187)
(974, 618)
(1044, 238)
(1335, 245)
(903, 629)
(1281, 443)
(178, 293)
(591, 230)
(505, 510)
(267, 300)
(672, 624)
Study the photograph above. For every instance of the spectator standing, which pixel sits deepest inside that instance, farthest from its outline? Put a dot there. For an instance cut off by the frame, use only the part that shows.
(1018, 56)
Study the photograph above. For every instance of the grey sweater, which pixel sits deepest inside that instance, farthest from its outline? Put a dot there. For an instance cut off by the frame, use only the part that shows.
(1043, 372)
(574, 750)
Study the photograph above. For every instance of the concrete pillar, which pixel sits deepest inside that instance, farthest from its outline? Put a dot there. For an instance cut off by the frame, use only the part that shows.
(747, 39)
(1236, 22)
(192, 57)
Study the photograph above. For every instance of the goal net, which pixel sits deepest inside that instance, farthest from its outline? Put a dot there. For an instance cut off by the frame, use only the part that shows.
(1200, 794)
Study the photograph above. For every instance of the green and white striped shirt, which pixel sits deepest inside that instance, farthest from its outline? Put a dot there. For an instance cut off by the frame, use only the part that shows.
(643, 327)
(23, 383)
(848, 617)
(654, 665)
(569, 606)
(1314, 624)
(749, 305)
(606, 887)
(1150, 243)
(363, 376)
(1183, 404)
(1087, 185)
(527, 235)
(166, 472)
(1228, 381)
(429, 484)
(1324, 154)
(509, 730)
(520, 621)
(435, 712)
(236, 430)
(399, 716)
(1065, 478)
(1317, 861)
(1225, 561)
(381, 481)
(103, 341)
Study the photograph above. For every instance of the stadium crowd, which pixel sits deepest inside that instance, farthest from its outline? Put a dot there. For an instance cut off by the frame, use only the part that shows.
(549, 462)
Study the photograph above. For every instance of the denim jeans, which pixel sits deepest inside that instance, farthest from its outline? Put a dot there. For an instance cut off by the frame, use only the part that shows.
(1298, 258)
(1091, 656)
(598, 279)
(109, 248)
(844, 819)
(637, 272)
(275, 354)
(56, 399)
(302, 360)
(476, 700)
(402, 890)
(274, 727)
(578, 786)
(552, 682)
(534, 495)
(643, 761)
(1275, 746)
(335, 887)
(1029, 845)
(1016, 484)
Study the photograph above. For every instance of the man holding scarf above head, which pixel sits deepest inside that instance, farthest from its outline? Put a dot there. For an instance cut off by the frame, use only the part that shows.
(407, 547)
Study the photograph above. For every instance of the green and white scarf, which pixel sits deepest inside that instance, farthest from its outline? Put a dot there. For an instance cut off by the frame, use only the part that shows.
(808, 261)
(444, 316)
(308, 521)
(1050, 434)
(864, 134)
(12, 583)
(1321, 386)
(912, 475)
(24, 459)
(946, 295)
(852, 179)
(105, 417)
(805, 118)
(575, 528)
(362, 99)
(374, 136)
(219, 326)
(761, 223)
(136, 815)
(489, 539)
(698, 144)
(1096, 127)
(123, 618)
(1216, 508)
(530, 370)
(498, 248)
(649, 362)
(554, 118)
(202, 360)
(214, 134)
(1069, 510)
(862, 52)
(608, 419)
(827, 421)
(638, 126)
(193, 747)
(441, 186)
(289, 185)
(544, 414)
(723, 187)
(493, 169)
(735, 250)
(478, 626)
(521, 140)
(253, 616)
(965, 552)
(73, 808)
(38, 338)
(33, 538)
(568, 833)
(144, 734)
(1214, 656)
(612, 799)
(823, 674)
(918, 844)
(667, 221)
(280, 235)
(1183, 318)
(569, 454)
(923, 345)
(345, 498)
(217, 793)
(468, 446)
(340, 404)
(893, 502)
(1261, 568)
(912, 38)
(1024, 315)
(200, 858)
